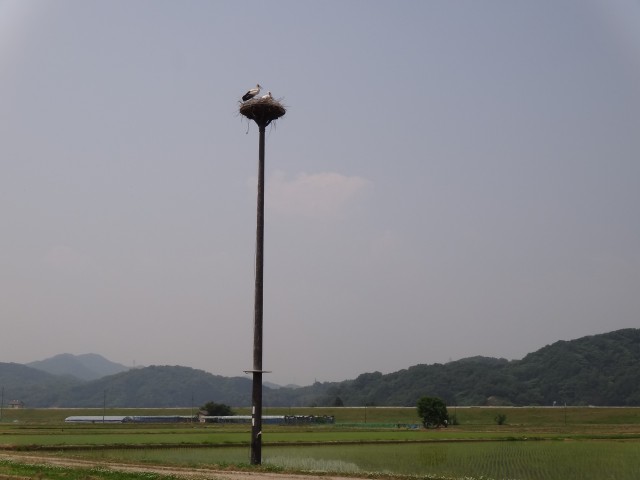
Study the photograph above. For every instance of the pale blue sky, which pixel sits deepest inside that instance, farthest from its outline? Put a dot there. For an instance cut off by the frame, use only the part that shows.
(452, 178)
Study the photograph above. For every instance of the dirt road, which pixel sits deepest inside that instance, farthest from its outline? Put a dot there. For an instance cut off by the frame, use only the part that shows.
(179, 472)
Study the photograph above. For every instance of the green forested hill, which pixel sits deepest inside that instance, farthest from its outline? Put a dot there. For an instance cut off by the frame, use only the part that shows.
(160, 386)
(594, 370)
(20, 382)
(155, 386)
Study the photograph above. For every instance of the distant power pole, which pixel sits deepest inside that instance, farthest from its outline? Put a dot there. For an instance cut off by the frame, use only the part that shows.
(262, 111)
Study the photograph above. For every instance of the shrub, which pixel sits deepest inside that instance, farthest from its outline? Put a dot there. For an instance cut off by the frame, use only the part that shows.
(217, 409)
(501, 419)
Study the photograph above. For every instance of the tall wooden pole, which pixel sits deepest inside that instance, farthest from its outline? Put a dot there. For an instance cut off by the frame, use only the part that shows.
(256, 395)
(263, 111)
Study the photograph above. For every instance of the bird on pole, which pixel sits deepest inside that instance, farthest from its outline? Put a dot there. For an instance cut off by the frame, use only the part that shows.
(267, 96)
(251, 93)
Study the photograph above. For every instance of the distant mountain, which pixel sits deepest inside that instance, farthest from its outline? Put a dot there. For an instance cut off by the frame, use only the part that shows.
(20, 382)
(275, 386)
(159, 386)
(594, 370)
(88, 366)
(155, 386)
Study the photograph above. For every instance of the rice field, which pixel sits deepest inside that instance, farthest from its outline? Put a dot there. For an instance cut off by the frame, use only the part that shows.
(535, 444)
(523, 460)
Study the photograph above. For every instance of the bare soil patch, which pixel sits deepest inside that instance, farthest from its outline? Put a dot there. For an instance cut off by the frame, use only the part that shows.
(179, 472)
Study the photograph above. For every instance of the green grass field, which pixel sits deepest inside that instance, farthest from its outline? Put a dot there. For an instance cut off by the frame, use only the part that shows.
(535, 443)
(529, 416)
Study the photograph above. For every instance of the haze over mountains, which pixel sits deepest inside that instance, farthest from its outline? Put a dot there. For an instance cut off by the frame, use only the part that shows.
(594, 370)
(88, 366)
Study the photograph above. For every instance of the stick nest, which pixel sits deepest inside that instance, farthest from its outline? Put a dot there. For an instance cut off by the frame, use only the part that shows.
(262, 110)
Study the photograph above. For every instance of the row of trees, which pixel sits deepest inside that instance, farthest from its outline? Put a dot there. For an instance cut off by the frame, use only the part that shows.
(431, 410)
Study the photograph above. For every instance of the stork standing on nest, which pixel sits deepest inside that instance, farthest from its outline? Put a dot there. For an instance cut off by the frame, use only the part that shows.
(267, 96)
(251, 93)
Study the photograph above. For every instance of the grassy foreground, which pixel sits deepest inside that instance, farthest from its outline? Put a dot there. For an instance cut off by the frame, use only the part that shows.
(535, 443)
(10, 469)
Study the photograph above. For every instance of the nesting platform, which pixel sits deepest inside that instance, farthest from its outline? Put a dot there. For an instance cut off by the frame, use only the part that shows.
(262, 110)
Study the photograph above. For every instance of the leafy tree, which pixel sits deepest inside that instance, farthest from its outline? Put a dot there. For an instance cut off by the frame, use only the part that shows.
(433, 412)
(217, 409)
(501, 419)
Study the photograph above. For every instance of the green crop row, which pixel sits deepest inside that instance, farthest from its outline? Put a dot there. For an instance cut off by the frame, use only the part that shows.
(524, 460)
(367, 415)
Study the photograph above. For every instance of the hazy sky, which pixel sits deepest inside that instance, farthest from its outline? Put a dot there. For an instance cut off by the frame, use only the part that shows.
(452, 178)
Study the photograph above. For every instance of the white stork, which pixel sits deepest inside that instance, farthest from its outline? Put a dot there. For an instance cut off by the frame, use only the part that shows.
(267, 96)
(251, 93)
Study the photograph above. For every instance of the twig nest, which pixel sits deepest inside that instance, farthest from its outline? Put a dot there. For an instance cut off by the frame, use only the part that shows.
(262, 110)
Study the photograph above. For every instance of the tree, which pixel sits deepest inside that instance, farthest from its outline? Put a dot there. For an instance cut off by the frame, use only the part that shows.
(433, 412)
(217, 409)
(500, 419)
